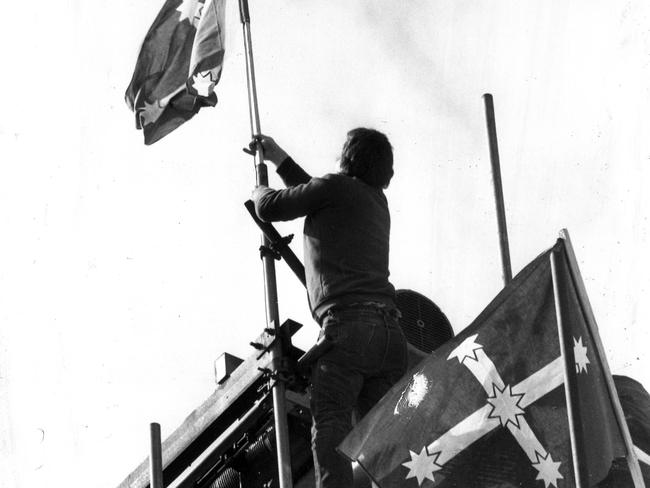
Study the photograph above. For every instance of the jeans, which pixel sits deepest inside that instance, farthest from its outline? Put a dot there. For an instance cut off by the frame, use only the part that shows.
(368, 356)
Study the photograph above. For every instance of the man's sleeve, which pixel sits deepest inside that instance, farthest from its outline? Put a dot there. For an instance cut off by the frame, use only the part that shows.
(288, 204)
(291, 173)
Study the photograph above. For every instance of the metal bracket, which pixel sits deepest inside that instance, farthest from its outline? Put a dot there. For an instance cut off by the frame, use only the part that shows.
(273, 250)
(286, 372)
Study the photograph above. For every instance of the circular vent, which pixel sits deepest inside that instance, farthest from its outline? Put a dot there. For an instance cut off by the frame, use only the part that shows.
(424, 324)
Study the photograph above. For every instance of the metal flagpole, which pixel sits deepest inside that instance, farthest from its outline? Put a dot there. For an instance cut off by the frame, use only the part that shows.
(576, 450)
(270, 289)
(498, 189)
(592, 327)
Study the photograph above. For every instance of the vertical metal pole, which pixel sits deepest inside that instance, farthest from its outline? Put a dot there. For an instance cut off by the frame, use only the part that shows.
(498, 189)
(254, 115)
(568, 378)
(155, 457)
(270, 289)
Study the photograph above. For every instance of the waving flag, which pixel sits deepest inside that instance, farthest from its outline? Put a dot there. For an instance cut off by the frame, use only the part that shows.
(178, 66)
(488, 408)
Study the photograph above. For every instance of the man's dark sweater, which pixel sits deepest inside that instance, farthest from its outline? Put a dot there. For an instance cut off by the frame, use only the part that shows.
(346, 235)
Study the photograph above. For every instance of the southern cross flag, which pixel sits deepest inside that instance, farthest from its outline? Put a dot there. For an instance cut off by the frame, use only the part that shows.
(178, 66)
(488, 408)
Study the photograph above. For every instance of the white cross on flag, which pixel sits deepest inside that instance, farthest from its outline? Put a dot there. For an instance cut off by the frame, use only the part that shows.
(488, 408)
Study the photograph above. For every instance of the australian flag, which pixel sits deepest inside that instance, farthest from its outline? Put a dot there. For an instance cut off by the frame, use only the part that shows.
(178, 66)
(488, 408)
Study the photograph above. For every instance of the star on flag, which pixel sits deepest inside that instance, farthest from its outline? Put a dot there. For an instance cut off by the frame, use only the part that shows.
(580, 354)
(190, 9)
(203, 83)
(150, 112)
(422, 466)
(467, 349)
(548, 470)
(505, 405)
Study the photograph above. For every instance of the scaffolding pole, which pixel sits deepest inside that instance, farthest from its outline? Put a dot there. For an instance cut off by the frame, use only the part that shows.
(280, 346)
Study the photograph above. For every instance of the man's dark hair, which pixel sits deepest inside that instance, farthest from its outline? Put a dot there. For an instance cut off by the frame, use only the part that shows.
(368, 155)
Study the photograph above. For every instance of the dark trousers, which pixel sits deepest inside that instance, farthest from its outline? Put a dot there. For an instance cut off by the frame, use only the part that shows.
(368, 356)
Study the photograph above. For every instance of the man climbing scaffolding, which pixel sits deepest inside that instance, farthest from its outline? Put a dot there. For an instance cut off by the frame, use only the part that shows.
(346, 247)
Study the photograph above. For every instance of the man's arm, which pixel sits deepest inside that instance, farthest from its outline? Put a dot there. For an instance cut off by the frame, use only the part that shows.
(288, 204)
(303, 195)
(290, 172)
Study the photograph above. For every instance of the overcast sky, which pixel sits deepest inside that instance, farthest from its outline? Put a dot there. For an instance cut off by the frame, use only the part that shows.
(126, 270)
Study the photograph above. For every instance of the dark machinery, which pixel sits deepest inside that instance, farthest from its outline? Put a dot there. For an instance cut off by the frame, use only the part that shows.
(426, 327)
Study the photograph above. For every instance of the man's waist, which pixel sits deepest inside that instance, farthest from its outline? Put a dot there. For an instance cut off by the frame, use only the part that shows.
(384, 298)
(373, 304)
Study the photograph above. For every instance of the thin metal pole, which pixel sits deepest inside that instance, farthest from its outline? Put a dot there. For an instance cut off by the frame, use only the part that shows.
(270, 287)
(498, 188)
(254, 115)
(592, 327)
(568, 378)
(155, 457)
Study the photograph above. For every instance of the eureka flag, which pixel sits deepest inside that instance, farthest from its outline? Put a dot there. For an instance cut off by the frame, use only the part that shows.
(488, 407)
(178, 66)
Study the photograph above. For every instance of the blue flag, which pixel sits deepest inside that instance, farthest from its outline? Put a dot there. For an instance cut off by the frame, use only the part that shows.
(179, 64)
(488, 408)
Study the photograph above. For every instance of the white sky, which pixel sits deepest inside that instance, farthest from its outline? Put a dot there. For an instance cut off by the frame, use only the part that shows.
(126, 270)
